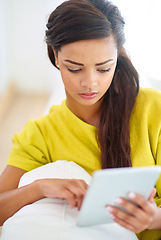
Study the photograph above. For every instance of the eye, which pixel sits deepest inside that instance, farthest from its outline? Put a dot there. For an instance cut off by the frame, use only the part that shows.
(73, 71)
(104, 70)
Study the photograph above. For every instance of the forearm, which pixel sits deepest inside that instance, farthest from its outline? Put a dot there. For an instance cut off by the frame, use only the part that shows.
(14, 200)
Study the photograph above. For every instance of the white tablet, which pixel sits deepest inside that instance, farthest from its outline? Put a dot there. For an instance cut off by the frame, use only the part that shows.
(108, 184)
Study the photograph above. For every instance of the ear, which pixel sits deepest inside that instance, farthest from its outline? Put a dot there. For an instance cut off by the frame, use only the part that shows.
(56, 58)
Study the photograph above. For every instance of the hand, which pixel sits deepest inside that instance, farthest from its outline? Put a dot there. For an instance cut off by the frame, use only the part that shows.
(141, 214)
(71, 189)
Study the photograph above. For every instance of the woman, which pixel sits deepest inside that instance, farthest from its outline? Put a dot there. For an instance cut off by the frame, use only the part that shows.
(105, 122)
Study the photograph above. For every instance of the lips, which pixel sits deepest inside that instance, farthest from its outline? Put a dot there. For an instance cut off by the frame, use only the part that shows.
(88, 95)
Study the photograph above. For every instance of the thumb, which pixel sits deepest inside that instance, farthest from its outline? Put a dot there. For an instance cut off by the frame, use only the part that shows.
(152, 194)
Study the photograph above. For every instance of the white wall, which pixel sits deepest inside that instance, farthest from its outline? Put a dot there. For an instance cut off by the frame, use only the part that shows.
(23, 55)
(23, 45)
(3, 48)
(143, 38)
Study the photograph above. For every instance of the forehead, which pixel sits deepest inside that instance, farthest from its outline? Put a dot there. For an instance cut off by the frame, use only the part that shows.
(93, 50)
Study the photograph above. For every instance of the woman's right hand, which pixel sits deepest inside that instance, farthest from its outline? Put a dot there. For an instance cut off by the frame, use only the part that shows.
(71, 189)
(13, 198)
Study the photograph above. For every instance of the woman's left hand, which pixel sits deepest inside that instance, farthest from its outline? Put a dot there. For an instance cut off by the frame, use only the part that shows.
(141, 213)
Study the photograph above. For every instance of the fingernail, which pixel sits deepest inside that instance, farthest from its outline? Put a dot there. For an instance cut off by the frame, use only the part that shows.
(132, 195)
(118, 200)
(109, 209)
(112, 216)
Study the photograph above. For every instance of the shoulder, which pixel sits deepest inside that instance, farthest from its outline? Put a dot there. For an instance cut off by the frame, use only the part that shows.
(146, 112)
(147, 108)
(34, 129)
(55, 113)
(58, 108)
(149, 95)
(148, 100)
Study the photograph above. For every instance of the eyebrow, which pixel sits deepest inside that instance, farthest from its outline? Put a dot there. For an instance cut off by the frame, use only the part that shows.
(80, 64)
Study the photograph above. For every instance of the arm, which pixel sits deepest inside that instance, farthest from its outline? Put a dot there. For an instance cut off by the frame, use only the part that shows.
(12, 198)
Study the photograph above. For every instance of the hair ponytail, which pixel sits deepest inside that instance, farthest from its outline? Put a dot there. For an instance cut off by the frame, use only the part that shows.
(117, 105)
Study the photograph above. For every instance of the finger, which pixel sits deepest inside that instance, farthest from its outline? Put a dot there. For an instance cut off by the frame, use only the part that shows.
(78, 189)
(127, 220)
(135, 215)
(77, 184)
(141, 214)
(152, 194)
(125, 224)
(121, 217)
(85, 185)
(79, 203)
(131, 207)
(69, 196)
(142, 202)
(80, 195)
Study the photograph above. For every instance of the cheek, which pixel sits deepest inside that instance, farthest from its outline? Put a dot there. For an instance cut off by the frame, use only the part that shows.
(65, 77)
(107, 80)
(70, 82)
(111, 75)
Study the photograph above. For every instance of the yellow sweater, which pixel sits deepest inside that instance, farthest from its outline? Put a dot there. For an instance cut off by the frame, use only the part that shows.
(63, 136)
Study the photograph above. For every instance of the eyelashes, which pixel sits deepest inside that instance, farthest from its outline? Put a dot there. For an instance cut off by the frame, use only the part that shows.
(73, 71)
(78, 70)
(106, 70)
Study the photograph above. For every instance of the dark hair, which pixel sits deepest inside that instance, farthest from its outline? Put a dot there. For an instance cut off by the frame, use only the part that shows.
(76, 20)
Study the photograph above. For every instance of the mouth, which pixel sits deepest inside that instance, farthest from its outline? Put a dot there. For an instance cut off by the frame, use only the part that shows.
(88, 95)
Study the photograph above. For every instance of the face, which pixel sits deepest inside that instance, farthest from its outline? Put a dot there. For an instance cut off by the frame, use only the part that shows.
(87, 68)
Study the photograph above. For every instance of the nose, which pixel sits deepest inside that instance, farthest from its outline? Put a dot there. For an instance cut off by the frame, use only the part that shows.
(89, 80)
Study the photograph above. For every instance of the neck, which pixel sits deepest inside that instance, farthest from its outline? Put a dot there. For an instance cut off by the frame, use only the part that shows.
(87, 113)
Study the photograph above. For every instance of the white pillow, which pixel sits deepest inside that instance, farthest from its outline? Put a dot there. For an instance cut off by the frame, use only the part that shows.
(59, 169)
(53, 219)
